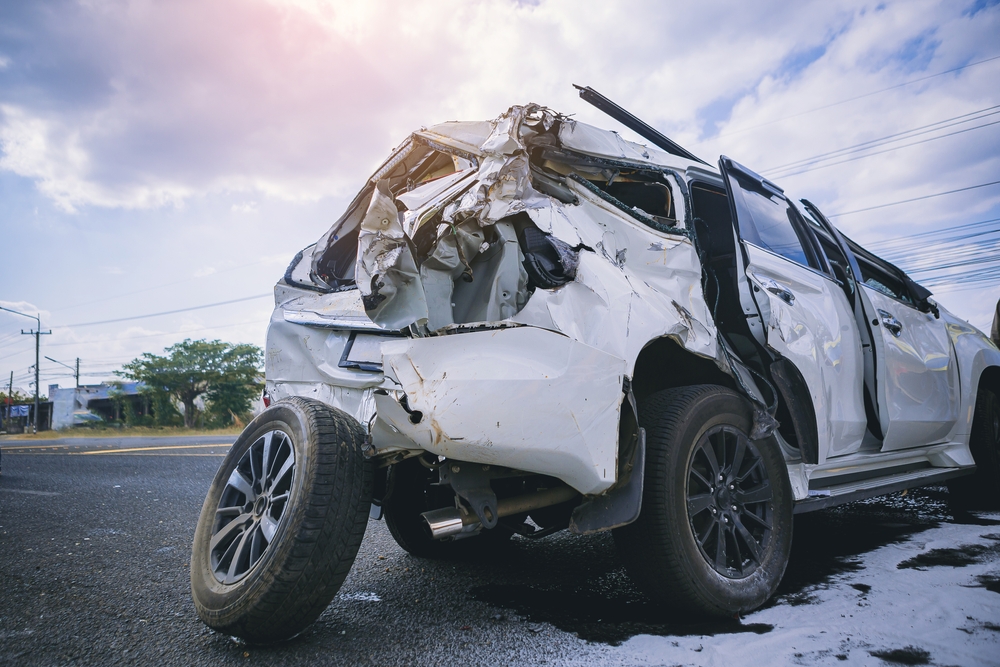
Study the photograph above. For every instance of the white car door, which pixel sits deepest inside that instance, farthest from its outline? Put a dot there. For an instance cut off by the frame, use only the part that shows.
(807, 317)
(918, 384)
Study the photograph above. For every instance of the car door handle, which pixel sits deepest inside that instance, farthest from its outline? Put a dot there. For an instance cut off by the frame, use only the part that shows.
(889, 321)
(777, 290)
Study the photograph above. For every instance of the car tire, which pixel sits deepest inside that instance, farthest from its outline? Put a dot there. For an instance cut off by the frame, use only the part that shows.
(981, 490)
(412, 491)
(273, 546)
(672, 551)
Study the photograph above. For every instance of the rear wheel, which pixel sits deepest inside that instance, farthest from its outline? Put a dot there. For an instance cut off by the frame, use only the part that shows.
(715, 530)
(982, 489)
(282, 522)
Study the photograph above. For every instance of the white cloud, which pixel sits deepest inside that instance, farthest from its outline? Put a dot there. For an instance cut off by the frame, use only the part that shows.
(299, 100)
(245, 207)
(259, 103)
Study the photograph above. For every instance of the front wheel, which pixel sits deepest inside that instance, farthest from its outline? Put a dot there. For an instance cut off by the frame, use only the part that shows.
(715, 531)
(982, 489)
(282, 522)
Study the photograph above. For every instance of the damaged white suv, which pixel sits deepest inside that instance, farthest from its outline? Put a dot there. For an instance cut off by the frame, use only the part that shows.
(530, 324)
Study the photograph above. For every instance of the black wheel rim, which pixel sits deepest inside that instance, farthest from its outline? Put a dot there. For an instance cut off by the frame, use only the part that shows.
(252, 506)
(729, 501)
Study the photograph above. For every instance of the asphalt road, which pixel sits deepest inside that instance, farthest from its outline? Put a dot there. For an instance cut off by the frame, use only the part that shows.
(95, 538)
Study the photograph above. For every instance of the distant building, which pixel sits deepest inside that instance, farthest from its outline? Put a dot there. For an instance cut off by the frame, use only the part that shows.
(94, 403)
(19, 417)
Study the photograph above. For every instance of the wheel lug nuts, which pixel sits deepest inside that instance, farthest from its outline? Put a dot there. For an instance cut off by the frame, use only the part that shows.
(732, 487)
(734, 508)
(714, 511)
(720, 478)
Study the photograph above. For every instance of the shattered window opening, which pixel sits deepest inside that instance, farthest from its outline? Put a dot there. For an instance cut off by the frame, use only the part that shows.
(415, 164)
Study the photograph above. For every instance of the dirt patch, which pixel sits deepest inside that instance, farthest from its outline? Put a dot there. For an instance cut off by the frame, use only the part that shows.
(910, 655)
(966, 554)
(990, 582)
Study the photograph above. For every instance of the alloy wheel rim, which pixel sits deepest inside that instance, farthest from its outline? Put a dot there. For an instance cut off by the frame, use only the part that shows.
(252, 506)
(729, 502)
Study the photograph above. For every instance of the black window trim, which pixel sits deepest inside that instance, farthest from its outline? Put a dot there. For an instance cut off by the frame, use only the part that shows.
(740, 178)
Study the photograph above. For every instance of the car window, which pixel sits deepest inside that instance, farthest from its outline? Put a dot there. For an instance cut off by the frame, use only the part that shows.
(772, 217)
(881, 278)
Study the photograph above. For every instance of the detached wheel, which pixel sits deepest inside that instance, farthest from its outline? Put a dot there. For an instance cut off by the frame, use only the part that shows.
(282, 522)
(715, 531)
(413, 491)
(982, 489)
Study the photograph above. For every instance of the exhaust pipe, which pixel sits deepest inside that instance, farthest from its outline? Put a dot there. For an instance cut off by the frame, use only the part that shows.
(452, 522)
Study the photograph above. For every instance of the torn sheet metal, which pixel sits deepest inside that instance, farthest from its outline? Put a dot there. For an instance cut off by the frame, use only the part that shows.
(472, 269)
(386, 271)
(497, 408)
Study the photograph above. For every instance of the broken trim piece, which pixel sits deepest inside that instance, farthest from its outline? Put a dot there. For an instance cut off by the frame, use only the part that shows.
(632, 122)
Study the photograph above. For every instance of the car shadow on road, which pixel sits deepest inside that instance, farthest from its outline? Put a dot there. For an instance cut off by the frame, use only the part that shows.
(594, 598)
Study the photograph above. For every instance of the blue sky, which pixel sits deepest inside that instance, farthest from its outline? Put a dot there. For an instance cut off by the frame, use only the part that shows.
(158, 156)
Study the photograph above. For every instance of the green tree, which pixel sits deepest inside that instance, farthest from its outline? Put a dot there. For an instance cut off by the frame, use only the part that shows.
(15, 397)
(225, 374)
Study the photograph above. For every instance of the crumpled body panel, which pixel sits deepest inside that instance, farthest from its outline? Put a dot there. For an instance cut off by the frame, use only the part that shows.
(523, 398)
(632, 282)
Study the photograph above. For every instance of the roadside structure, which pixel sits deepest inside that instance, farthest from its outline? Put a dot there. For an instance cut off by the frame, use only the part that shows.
(75, 406)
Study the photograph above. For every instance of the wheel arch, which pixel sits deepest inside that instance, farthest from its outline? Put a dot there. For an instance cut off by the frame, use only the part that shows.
(989, 379)
(665, 364)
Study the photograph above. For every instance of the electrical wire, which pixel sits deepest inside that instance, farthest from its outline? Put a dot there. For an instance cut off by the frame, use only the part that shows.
(907, 201)
(155, 335)
(845, 101)
(160, 286)
(944, 231)
(166, 312)
(815, 166)
(890, 138)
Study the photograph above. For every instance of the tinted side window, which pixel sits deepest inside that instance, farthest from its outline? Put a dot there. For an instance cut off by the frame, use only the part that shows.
(772, 216)
(881, 279)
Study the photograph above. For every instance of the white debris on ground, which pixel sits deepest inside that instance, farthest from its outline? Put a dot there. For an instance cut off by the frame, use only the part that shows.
(933, 599)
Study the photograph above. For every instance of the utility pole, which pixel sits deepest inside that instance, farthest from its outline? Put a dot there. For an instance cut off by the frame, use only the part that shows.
(10, 390)
(76, 371)
(37, 333)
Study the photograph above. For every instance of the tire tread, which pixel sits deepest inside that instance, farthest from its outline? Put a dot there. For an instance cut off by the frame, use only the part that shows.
(337, 489)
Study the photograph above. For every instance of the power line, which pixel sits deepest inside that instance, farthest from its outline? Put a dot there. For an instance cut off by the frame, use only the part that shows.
(168, 333)
(906, 201)
(161, 286)
(887, 150)
(932, 232)
(850, 99)
(898, 136)
(167, 312)
(12, 342)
